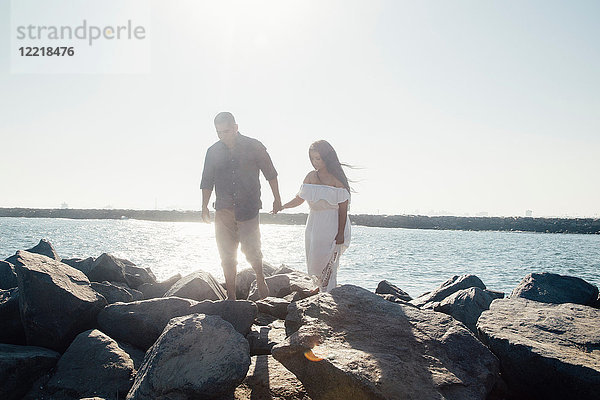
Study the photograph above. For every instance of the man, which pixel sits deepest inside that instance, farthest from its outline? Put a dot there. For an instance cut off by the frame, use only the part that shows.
(232, 167)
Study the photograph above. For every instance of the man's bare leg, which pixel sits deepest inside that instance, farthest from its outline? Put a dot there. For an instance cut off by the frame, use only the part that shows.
(230, 274)
(261, 284)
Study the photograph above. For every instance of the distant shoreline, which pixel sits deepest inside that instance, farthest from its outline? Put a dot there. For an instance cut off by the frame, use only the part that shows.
(526, 224)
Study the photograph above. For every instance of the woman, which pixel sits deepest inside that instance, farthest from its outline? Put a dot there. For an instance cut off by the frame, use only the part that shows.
(327, 234)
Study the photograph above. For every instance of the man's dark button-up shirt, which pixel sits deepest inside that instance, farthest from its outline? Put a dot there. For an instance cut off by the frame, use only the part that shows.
(234, 175)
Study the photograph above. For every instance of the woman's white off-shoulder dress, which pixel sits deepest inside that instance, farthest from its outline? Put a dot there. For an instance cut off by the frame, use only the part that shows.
(322, 253)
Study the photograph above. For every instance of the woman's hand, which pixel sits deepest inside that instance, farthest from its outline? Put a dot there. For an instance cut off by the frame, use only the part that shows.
(339, 238)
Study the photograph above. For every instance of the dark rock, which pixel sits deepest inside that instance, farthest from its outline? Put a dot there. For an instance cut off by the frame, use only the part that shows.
(239, 313)
(275, 306)
(136, 355)
(263, 338)
(394, 299)
(546, 351)
(154, 290)
(283, 284)
(553, 288)
(107, 268)
(385, 287)
(447, 288)
(141, 322)
(263, 319)
(84, 265)
(197, 356)
(245, 277)
(112, 293)
(136, 276)
(8, 276)
(135, 294)
(11, 327)
(56, 301)
(93, 365)
(197, 286)
(467, 305)
(351, 343)
(44, 247)
(21, 366)
(268, 379)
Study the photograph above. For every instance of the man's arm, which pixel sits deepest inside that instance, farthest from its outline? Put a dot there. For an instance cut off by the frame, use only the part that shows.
(276, 196)
(206, 193)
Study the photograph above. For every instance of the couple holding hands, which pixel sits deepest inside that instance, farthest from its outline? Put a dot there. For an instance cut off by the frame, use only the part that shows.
(231, 168)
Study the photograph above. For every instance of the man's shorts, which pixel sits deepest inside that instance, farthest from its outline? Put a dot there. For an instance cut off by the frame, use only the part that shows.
(229, 232)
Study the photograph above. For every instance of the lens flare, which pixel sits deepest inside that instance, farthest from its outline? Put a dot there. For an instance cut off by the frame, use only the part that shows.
(311, 356)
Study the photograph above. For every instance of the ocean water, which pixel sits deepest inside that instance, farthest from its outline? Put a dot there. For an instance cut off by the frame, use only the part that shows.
(415, 260)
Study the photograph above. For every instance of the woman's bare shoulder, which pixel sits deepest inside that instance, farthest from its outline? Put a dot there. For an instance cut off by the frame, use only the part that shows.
(311, 177)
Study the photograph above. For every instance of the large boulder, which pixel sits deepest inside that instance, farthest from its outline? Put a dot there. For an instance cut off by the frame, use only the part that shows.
(112, 293)
(93, 366)
(351, 343)
(56, 301)
(137, 276)
(546, 351)
(268, 379)
(21, 366)
(84, 265)
(44, 248)
(141, 322)
(107, 268)
(467, 305)
(281, 285)
(274, 306)
(8, 276)
(245, 277)
(262, 339)
(11, 327)
(197, 356)
(447, 288)
(197, 286)
(385, 287)
(553, 288)
(158, 289)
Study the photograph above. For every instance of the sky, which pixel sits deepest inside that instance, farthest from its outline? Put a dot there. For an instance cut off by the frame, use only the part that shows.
(443, 107)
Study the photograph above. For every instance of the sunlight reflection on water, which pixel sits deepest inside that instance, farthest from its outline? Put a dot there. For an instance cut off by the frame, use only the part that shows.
(414, 260)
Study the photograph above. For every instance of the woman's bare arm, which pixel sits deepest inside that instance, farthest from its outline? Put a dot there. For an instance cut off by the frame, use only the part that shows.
(342, 217)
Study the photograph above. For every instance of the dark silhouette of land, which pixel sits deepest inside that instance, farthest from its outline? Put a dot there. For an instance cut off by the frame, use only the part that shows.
(527, 224)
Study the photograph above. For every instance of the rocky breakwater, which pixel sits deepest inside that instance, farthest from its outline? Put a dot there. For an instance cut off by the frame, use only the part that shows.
(104, 328)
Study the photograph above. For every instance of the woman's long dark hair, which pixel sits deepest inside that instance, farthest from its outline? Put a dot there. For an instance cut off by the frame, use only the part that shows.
(332, 162)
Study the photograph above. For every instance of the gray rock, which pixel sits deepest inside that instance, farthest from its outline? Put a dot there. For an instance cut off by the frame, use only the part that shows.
(197, 356)
(112, 293)
(239, 313)
(197, 286)
(93, 366)
(447, 288)
(553, 288)
(275, 306)
(394, 299)
(21, 366)
(8, 276)
(546, 351)
(141, 322)
(56, 301)
(44, 247)
(263, 338)
(351, 343)
(245, 277)
(467, 305)
(136, 276)
(154, 290)
(107, 268)
(84, 265)
(282, 285)
(385, 287)
(283, 269)
(267, 379)
(11, 327)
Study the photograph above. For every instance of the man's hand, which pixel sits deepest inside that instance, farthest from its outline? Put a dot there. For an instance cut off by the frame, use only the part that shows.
(205, 215)
(276, 206)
